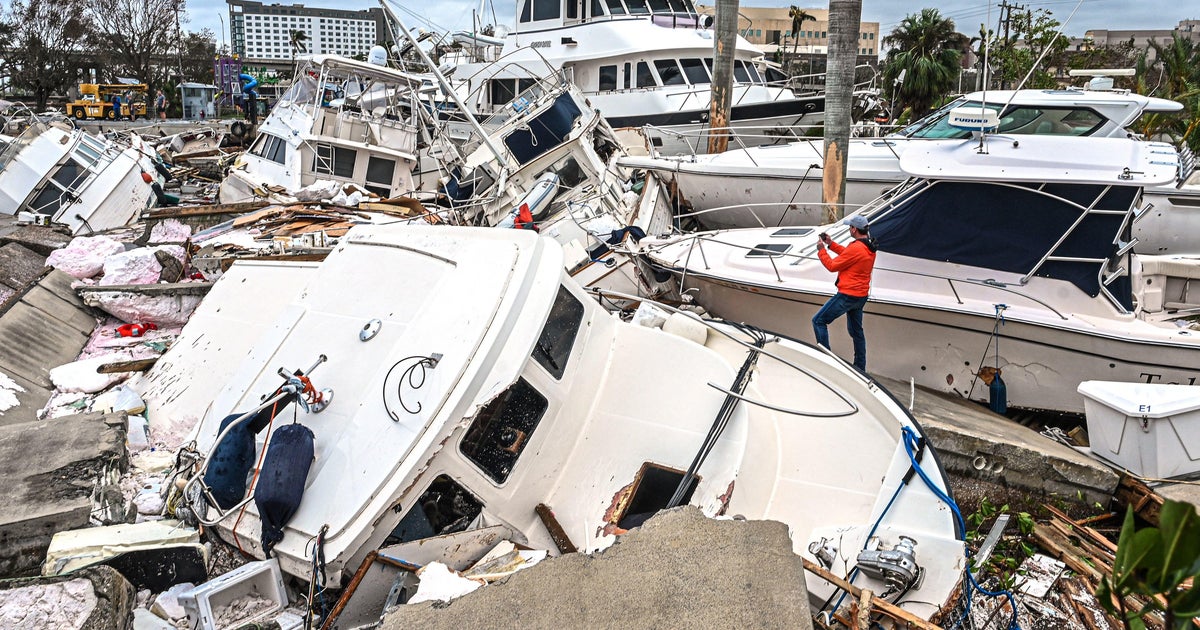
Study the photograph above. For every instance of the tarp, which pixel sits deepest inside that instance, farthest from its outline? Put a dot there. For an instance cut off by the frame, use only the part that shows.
(544, 132)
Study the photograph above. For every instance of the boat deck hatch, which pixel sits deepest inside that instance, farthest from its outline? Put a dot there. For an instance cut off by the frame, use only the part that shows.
(652, 489)
(765, 250)
(444, 508)
(800, 231)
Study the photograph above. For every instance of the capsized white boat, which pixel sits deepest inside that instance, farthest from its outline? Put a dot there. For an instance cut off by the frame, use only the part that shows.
(1003, 256)
(474, 381)
(342, 120)
(780, 185)
(85, 182)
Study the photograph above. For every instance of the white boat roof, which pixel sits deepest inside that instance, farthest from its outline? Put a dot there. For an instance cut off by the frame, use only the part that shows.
(1031, 158)
(1075, 97)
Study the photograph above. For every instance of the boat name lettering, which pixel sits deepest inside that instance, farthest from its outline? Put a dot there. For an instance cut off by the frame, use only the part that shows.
(1157, 378)
(545, 43)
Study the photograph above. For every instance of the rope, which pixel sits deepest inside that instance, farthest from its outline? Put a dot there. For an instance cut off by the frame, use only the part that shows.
(999, 321)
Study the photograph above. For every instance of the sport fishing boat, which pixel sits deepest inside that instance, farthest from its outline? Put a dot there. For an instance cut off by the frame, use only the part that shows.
(478, 386)
(780, 185)
(342, 120)
(998, 256)
(643, 62)
(66, 176)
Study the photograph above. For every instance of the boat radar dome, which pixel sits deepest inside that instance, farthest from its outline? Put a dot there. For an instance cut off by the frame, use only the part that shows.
(1102, 78)
(377, 56)
(974, 118)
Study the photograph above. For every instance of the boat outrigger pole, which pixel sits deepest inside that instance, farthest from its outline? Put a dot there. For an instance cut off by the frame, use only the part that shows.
(443, 83)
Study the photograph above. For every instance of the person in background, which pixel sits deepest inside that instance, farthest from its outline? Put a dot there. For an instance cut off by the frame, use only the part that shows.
(160, 105)
(853, 265)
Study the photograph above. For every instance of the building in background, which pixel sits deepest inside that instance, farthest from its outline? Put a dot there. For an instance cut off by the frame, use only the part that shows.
(263, 32)
(1187, 29)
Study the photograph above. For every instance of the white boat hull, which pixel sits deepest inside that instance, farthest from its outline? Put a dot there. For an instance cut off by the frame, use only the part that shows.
(942, 349)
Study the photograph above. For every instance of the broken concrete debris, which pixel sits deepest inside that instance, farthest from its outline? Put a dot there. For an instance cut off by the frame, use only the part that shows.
(95, 598)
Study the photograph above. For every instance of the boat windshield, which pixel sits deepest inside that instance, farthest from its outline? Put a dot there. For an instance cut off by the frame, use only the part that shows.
(1017, 119)
(1055, 230)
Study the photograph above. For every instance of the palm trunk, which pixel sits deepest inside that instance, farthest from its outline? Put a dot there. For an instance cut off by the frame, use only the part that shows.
(724, 47)
(844, 16)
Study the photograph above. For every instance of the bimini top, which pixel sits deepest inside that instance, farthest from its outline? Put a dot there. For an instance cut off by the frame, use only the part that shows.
(1027, 158)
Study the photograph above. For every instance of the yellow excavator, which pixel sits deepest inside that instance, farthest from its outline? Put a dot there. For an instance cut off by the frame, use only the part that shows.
(95, 101)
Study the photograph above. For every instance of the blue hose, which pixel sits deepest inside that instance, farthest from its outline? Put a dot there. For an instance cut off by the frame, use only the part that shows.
(910, 440)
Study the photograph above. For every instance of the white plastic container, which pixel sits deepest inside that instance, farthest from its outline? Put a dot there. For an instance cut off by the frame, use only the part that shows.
(262, 579)
(1151, 430)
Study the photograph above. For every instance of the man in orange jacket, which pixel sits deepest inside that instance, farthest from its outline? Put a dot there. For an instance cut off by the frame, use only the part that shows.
(853, 265)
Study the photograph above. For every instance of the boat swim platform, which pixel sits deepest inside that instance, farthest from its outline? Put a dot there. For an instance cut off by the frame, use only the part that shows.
(990, 456)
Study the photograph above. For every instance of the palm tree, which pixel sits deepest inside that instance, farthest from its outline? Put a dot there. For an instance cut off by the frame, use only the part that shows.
(927, 49)
(844, 20)
(1176, 72)
(297, 41)
(799, 17)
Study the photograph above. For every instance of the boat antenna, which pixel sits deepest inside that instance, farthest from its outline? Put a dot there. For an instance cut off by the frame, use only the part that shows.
(445, 85)
(1037, 62)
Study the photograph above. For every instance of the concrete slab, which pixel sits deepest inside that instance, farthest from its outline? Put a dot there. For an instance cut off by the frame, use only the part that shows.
(19, 265)
(98, 598)
(679, 570)
(31, 343)
(67, 313)
(33, 397)
(53, 471)
(40, 239)
(59, 284)
(978, 445)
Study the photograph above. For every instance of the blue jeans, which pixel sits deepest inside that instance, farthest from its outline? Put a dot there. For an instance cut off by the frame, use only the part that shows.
(852, 307)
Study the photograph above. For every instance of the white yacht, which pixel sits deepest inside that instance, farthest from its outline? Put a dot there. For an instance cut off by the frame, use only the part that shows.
(1001, 255)
(780, 185)
(640, 62)
(69, 177)
(476, 388)
(343, 120)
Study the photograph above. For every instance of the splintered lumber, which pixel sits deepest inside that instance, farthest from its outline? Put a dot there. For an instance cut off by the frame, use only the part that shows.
(557, 533)
(1145, 502)
(1061, 548)
(881, 606)
(200, 211)
(1087, 607)
(136, 365)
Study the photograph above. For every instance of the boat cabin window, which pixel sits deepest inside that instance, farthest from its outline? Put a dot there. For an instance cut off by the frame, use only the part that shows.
(645, 78)
(572, 9)
(652, 490)
(615, 7)
(89, 150)
(553, 348)
(694, 70)
(502, 429)
(628, 75)
(740, 74)
(791, 232)
(380, 170)
(67, 177)
(660, 6)
(637, 6)
(774, 77)
(1021, 119)
(608, 78)
(270, 147)
(597, 8)
(336, 161)
(502, 91)
(444, 508)
(536, 10)
(668, 71)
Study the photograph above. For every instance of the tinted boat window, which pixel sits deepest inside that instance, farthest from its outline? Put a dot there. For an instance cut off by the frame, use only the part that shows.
(694, 70)
(553, 348)
(645, 78)
(740, 75)
(502, 429)
(608, 78)
(669, 71)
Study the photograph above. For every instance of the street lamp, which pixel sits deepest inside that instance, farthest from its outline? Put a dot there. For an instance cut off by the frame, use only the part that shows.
(222, 18)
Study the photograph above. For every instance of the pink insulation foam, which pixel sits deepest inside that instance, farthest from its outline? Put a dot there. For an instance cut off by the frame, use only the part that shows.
(84, 256)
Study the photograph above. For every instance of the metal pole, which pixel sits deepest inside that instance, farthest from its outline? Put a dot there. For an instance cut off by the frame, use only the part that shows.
(445, 85)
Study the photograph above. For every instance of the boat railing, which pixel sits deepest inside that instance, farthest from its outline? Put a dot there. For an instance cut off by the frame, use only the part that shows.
(810, 254)
(686, 20)
(743, 136)
(853, 407)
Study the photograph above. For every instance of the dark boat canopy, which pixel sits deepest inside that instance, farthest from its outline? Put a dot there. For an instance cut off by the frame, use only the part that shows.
(1069, 232)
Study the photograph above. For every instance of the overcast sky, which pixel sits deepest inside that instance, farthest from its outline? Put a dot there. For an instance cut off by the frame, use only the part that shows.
(967, 14)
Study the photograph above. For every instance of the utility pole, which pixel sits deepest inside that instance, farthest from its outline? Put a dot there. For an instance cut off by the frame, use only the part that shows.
(724, 47)
(1006, 10)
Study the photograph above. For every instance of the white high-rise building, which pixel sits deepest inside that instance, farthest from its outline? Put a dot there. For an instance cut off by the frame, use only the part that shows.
(263, 32)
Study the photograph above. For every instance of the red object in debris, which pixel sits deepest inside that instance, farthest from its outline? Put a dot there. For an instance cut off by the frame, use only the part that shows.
(135, 330)
(196, 276)
(146, 177)
(525, 219)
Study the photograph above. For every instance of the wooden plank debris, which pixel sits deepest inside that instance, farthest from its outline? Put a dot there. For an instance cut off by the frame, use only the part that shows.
(199, 211)
(172, 288)
(879, 605)
(136, 365)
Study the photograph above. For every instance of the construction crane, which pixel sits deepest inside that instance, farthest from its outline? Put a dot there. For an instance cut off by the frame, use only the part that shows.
(95, 101)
